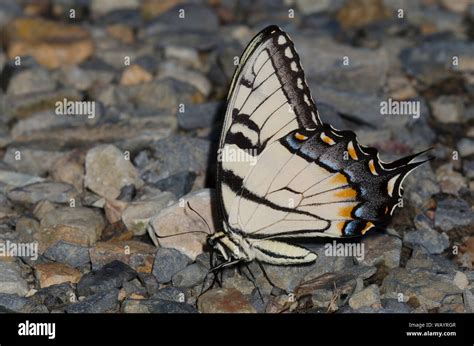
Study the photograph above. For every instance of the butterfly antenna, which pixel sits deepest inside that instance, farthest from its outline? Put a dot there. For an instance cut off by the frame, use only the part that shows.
(176, 234)
(209, 272)
(200, 216)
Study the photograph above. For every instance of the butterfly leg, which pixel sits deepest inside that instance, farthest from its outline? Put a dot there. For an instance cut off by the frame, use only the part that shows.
(254, 281)
(265, 273)
(216, 270)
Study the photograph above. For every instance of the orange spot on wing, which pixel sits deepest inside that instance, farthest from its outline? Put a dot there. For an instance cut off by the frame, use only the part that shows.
(372, 167)
(326, 139)
(352, 152)
(300, 136)
(340, 226)
(346, 193)
(368, 226)
(338, 179)
(345, 212)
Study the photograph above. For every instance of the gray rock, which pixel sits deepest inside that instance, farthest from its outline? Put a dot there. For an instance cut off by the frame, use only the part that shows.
(40, 160)
(5, 135)
(198, 40)
(107, 171)
(101, 302)
(13, 302)
(468, 169)
(100, 8)
(55, 297)
(393, 306)
(224, 300)
(223, 63)
(432, 241)
(14, 179)
(368, 297)
(137, 214)
(362, 272)
(466, 147)
(87, 224)
(194, 16)
(420, 186)
(328, 291)
(97, 71)
(422, 260)
(199, 115)
(54, 192)
(381, 249)
(25, 105)
(71, 254)
(34, 161)
(447, 109)
(452, 304)
(329, 115)
(204, 259)
(164, 94)
(171, 154)
(468, 297)
(174, 70)
(178, 184)
(190, 276)
(430, 61)
(75, 77)
(11, 280)
(171, 293)
(310, 7)
(134, 287)
(460, 280)
(366, 72)
(424, 287)
(470, 275)
(167, 263)
(31, 80)
(8, 10)
(111, 275)
(361, 107)
(364, 310)
(158, 306)
(444, 21)
(149, 282)
(453, 213)
(241, 283)
(422, 222)
(176, 226)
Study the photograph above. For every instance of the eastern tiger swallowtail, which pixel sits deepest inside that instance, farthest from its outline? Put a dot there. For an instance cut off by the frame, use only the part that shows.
(283, 174)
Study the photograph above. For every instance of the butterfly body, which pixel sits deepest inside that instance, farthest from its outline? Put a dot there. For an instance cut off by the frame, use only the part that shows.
(292, 176)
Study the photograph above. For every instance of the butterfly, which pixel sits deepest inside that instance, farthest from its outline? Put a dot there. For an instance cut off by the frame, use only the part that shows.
(283, 174)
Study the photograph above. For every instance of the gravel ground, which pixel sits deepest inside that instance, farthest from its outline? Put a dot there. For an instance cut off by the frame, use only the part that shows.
(91, 187)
